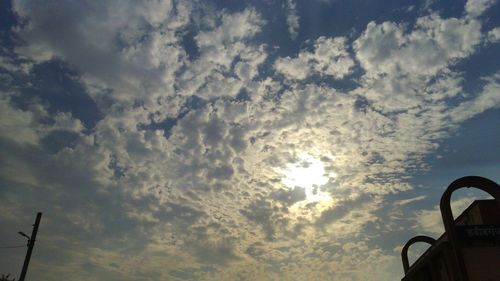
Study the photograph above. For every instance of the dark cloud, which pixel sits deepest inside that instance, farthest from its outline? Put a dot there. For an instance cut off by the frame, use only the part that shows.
(57, 140)
(340, 210)
(261, 212)
(179, 214)
(291, 196)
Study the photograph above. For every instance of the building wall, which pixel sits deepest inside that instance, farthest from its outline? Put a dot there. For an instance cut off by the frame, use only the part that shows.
(483, 263)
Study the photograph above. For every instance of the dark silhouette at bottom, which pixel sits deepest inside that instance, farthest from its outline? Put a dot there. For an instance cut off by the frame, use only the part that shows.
(31, 244)
(469, 250)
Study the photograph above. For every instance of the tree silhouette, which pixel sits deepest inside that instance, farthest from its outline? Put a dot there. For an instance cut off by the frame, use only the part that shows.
(6, 278)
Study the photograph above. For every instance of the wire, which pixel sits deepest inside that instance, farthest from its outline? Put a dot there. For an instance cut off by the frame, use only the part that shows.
(10, 247)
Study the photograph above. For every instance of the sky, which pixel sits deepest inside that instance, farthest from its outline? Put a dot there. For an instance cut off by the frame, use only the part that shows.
(240, 140)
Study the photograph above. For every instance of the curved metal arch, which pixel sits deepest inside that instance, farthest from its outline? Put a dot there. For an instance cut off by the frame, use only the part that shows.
(484, 184)
(404, 251)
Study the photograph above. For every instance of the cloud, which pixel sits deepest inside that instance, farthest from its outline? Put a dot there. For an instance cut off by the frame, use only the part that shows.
(409, 201)
(292, 18)
(430, 222)
(494, 35)
(475, 8)
(431, 46)
(121, 44)
(233, 28)
(329, 58)
(150, 163)
(18, 123)
(225, 49)
(488, 98)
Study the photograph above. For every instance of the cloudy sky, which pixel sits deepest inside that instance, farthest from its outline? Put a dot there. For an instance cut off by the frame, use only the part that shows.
(239, 140)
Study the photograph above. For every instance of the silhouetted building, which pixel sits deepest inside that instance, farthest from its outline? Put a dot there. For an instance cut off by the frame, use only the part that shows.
(469, 250)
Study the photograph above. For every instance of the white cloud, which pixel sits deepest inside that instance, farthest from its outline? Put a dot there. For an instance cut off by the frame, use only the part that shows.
(156, 12)
(494, 35)
(388, 48)
(234, 27)
(224, 50)
(409, 201)
(475, 8)
(488, 98)
(292, 18)
(294, 68)
(208, 76)
(329, 58)
(410, 69)
(430, 222)
(111, 41)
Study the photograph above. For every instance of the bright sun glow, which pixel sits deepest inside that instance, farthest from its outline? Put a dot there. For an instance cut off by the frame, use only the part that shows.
(307, 173)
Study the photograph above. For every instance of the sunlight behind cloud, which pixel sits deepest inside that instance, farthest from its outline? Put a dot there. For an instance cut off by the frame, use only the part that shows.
(308, 173)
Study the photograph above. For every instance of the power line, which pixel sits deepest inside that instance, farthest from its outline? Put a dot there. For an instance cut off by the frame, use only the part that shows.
(10, 247)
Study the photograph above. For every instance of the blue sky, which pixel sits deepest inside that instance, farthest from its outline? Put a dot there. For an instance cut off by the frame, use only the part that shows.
(240, 140)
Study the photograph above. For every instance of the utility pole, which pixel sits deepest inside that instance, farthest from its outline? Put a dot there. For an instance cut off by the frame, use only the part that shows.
(31, 244)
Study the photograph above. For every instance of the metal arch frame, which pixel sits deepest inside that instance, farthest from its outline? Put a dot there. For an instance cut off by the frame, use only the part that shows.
(404, 251)
(481, 183)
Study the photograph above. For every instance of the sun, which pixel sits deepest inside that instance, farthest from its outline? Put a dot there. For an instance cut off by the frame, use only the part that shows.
(308, 173)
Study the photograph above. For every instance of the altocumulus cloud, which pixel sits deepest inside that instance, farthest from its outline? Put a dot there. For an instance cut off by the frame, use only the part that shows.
(155, 135)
